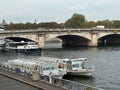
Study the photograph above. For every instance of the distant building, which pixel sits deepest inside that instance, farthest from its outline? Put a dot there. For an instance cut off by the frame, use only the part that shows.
(2, 25)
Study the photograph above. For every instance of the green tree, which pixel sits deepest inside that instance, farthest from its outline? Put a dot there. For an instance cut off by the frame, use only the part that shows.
(116, 23)
(90, 24)
(106, 23)
(76, 21)
(49, 25)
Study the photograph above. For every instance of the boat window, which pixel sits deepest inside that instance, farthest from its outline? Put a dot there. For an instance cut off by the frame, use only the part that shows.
(60, 65)
(52, 68)
(69, 65)
(43, 69)
(48, 68)
(75, 65)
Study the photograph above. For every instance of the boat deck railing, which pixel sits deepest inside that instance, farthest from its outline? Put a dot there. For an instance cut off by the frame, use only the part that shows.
(65, 84)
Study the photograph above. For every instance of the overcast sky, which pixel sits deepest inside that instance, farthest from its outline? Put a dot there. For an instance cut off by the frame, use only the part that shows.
(58, 10)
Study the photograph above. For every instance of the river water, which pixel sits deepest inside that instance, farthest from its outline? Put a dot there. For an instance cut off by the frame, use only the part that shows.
(106, 61)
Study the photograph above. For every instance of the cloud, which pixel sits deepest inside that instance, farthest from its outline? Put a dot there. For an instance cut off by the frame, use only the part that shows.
(58, 10)
(77, 7)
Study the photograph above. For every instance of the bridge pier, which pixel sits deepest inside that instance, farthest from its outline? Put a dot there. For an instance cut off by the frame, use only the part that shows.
(93, 40)
(41, 41)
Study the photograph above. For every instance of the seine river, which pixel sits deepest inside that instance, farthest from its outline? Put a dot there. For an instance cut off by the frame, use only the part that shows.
(106, 61)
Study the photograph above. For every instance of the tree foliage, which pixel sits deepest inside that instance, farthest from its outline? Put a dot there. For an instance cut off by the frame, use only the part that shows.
(106, 23)
(90, 24)
(28, 25)
(76, 21)
(49, 25)
(116, 23)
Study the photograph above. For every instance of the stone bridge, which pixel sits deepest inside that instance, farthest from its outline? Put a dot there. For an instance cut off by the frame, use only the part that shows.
(86, 37)
(69, 37)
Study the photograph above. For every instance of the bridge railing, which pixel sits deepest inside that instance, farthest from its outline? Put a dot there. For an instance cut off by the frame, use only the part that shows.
(60, 30)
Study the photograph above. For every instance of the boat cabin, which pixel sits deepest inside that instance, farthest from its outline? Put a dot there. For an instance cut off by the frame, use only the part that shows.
(43, 67)
(72, 64)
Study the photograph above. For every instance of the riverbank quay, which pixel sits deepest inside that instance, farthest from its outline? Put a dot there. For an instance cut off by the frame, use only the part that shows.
(38, 84)
(44, 82)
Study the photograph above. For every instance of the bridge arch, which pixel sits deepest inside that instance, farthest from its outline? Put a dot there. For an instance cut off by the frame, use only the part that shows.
(38, 38)
(19, 39)
(74, 40)
(109, 40)
(22, 37)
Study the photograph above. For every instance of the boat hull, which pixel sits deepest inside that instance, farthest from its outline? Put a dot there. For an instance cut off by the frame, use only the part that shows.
(84, 72)
(23, 50)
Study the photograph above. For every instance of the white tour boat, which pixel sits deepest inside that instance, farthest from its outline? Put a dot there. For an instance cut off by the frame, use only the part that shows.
(52, 66)
(47, 68)
(21, 46)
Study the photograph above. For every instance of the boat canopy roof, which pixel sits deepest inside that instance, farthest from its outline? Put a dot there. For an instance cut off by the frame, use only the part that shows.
(29, 62)
(42, 61)
(80, 59)
(58, 59)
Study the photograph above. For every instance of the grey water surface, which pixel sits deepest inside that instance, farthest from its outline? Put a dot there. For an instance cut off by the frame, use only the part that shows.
(106, 61)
